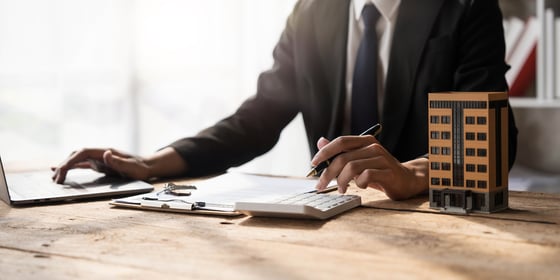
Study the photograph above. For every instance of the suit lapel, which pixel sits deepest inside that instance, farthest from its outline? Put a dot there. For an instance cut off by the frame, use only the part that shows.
(412, 30)
(331, 33)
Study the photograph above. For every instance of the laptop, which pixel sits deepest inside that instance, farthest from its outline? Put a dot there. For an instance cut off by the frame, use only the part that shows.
(37, 187)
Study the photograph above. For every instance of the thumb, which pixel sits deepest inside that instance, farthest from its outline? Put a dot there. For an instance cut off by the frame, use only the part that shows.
(129, 167)
(322, 142)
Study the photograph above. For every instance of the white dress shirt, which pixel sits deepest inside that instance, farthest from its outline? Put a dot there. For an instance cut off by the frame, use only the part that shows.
(385, 27)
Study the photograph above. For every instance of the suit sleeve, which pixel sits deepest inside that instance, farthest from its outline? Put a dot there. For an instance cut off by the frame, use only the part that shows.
(481, 65)
(256, 125)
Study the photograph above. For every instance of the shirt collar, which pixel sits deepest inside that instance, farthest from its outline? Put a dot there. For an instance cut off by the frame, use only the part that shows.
(387, 8)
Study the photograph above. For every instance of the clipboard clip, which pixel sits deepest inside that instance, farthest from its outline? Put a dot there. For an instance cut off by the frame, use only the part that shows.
(168, 204)
(171, 203)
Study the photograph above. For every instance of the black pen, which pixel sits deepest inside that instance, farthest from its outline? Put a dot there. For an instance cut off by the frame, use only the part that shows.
(374, 131)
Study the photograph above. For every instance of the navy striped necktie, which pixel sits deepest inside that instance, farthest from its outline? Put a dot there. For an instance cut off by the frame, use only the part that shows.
(364, 84)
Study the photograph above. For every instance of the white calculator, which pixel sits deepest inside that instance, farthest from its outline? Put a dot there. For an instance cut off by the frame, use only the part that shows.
(306, 205)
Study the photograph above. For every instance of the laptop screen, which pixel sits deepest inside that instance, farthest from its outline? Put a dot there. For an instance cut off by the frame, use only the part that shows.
(4, 194)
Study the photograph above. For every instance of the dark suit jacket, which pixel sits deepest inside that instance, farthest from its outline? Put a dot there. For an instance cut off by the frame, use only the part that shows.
(438, 45)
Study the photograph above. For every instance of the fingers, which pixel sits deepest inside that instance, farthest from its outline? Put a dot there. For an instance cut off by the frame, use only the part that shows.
(108, 161)
(86, 158)
(340, 145)
(374, 178)
(120, 153)
(126, 165)
(112, 160)
(375, 167)
(77, 165)
(322, 142)
(76, 160)
(348, 166)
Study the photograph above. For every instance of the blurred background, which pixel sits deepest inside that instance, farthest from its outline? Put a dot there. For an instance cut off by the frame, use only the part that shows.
(132, 74)
(138, 74)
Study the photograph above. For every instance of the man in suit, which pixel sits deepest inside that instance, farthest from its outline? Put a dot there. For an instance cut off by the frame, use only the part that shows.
(422, 46)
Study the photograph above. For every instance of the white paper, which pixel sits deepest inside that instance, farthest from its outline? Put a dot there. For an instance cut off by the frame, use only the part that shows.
(221, 192)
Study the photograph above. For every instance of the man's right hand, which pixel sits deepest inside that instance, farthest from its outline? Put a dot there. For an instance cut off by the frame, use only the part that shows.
(165, 162)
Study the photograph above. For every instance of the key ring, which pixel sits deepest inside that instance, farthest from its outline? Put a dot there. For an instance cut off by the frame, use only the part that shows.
(174, 189)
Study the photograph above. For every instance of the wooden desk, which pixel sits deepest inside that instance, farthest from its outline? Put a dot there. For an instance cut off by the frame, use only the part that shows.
(382, 239)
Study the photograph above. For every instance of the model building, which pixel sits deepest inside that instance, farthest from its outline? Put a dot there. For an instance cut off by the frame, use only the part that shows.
(468, 151)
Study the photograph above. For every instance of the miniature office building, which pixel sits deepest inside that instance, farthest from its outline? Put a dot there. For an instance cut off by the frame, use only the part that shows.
(468, 151)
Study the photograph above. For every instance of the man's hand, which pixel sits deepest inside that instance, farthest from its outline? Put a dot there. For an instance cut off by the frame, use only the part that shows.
(369, 164)
(165, 162)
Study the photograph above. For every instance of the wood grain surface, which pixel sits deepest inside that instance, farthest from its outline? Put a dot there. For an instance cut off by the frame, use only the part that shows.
(380, 240)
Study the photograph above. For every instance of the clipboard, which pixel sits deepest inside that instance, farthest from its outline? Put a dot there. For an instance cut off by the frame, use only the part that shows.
(137, 202)
(217, 195)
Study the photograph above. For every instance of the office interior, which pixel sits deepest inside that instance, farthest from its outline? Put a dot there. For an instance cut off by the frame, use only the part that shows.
(137, 75)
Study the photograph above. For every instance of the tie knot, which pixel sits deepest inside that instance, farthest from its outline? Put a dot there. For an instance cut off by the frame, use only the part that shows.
(371, 15)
